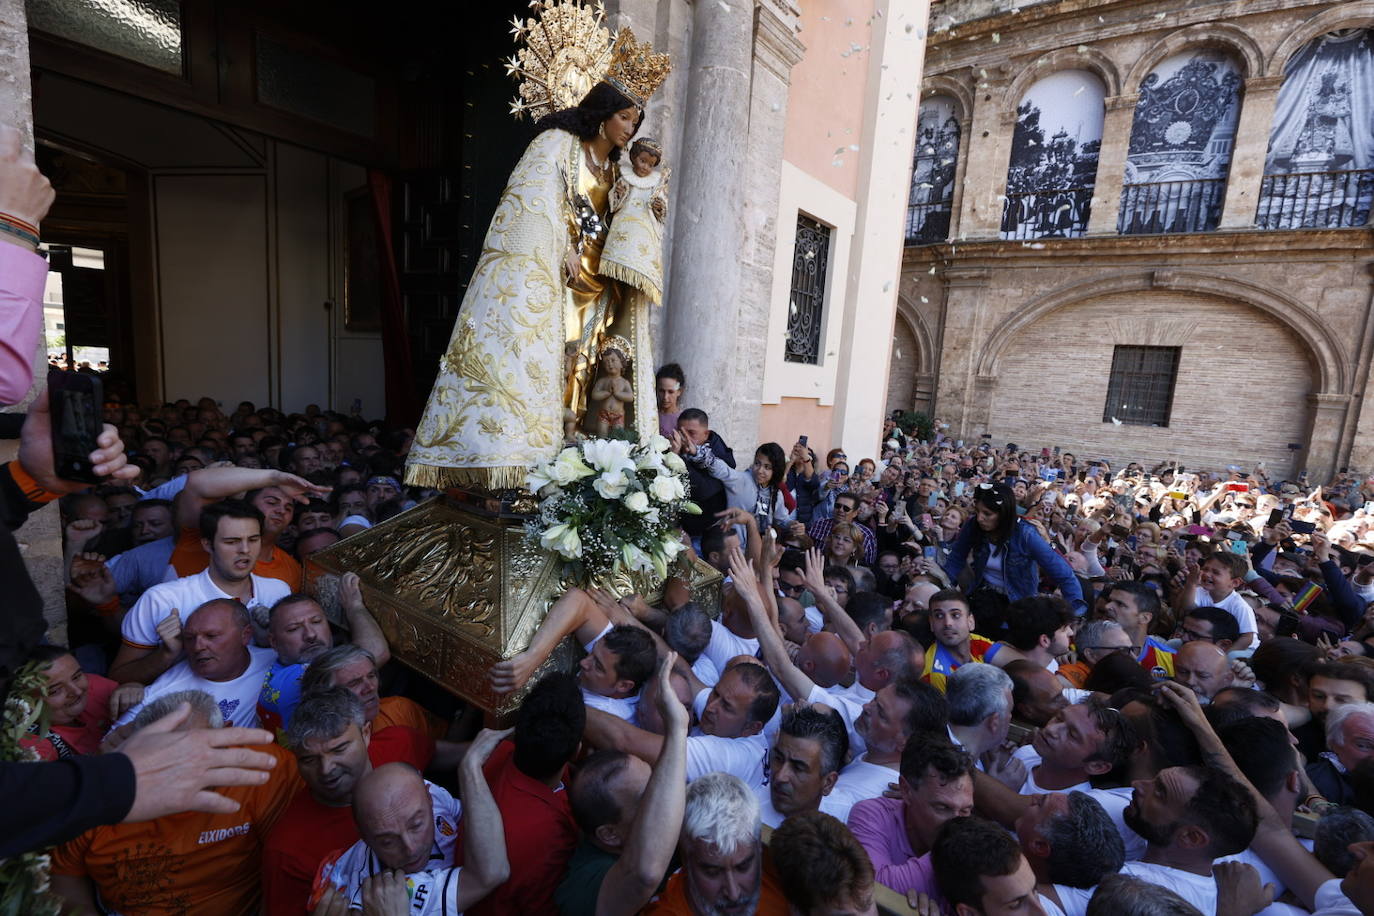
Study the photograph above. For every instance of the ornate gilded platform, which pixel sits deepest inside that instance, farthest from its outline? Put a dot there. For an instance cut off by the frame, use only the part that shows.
(456, 590)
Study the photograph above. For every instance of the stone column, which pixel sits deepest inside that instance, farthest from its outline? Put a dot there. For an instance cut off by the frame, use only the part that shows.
(987, 147)
(1328, 420)
(776, 50)
(1247, 158)
(875, 256)
(703, 295)
(39, 539)
(1111, 164)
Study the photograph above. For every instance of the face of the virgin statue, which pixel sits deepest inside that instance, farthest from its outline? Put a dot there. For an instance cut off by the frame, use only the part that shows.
(620, 127)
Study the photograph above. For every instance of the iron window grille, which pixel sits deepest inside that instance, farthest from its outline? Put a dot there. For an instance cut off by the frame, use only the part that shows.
(805, 308)
(1140, 391)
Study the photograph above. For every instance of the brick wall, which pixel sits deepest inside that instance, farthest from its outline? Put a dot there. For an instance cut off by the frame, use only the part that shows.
(1241, 392)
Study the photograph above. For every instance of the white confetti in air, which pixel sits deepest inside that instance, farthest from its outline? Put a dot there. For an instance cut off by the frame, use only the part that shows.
(854, 147)
(887, 286)
(1082, 49)
(1079, 90)
(997, 38)
(925, 300)
(932, 271)
(723, 5)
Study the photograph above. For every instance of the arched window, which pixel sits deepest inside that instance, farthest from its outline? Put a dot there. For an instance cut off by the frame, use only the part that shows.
(1181, 141)
(1054, 157)
(932, 179)
(1320, 169)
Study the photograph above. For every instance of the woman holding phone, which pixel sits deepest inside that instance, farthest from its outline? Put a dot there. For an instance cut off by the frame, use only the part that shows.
(1008, 554)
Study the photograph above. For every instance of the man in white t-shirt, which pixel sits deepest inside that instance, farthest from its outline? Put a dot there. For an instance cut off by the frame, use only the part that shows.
(619, 660)
(1081, 742)
(1214, 584)
(810, 747)
(730, 737)
(220, 660)
(1071, 844)
(1189, 816)
(411, 825)
(898, 711)
(232, 536)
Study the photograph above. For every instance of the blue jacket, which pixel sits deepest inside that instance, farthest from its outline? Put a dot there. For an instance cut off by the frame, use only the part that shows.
(1027, 555)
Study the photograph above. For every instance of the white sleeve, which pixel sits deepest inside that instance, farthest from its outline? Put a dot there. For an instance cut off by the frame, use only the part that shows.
(139, 627)
(1331, 902)
(1245, 616)
(591, 645)
(168, 490)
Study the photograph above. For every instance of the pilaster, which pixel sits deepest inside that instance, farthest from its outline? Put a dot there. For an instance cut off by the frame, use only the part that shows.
(1252, 145)
(989, 137)
(1111, 164)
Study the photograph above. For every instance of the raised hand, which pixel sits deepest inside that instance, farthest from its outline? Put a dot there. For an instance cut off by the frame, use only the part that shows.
(670, 708)
(125, 698)
(92, 580)
(169, 631)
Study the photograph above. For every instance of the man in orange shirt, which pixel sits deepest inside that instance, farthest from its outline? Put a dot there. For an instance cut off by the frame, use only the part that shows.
(270, 492)
(184, 863)
(724, 864)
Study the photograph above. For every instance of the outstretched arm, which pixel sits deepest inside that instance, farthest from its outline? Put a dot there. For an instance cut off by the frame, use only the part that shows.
(839, 620)
(797, 684)
(210, 485)
(635, 876)
(576, 613)
(606, 731)
(485, 865)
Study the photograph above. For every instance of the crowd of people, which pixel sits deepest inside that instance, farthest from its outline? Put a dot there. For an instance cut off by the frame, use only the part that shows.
(990, 679)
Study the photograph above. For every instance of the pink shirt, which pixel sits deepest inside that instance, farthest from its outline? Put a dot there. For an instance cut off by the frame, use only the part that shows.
(879, 826)
(22, 275)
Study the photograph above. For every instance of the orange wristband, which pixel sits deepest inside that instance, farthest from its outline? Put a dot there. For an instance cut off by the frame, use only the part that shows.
(33, 491)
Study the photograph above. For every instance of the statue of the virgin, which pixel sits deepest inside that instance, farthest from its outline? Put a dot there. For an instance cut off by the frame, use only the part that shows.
(515, 378)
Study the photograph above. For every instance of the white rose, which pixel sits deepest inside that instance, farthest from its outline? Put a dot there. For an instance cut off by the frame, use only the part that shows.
(563, 540)
(539, 478)
(637, 502)
(673, 462)
(659, 444)
(649, 460)
(608, 454)
(569, 467)
(672, 547)
(665, 489)
(612, 484)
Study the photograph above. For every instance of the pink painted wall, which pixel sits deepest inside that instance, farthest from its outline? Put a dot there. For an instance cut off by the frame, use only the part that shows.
(826, 99)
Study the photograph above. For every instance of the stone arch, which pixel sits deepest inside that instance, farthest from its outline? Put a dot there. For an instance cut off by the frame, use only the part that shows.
(1325, 351)
(944, 84)
(1079, 58)
(925, 341)
(1347, 15)
(1205, 34)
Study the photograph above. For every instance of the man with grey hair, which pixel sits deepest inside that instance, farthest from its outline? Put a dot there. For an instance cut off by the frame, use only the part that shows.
(356, 668)
(1071, 843)
(203, 708)
(1349, 739)
(687, 631)
(723, 867)
(335, 747)
(1337, 831)
(980, 700)
(1094, 641)
(220, 660)
(808, 752)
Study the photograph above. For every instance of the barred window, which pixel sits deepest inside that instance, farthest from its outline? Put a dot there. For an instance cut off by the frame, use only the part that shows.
(810, 261)
(1141, 389)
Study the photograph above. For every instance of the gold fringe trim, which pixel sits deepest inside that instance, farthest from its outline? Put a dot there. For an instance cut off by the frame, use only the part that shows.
(631, 277)
(441, 478)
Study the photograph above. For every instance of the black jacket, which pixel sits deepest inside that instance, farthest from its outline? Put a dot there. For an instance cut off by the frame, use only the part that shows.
(705, 490)
(45, 803)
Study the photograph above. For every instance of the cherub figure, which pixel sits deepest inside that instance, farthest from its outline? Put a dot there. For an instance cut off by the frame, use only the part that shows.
(612, 393)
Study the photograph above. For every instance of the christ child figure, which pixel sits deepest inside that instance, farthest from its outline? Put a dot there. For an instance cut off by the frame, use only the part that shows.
(612, 393)
(633, 252)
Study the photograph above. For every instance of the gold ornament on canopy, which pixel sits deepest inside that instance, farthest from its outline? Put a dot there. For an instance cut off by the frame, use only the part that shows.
(566, 53)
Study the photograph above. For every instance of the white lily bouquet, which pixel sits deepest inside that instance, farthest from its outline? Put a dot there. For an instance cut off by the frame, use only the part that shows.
(608, 506)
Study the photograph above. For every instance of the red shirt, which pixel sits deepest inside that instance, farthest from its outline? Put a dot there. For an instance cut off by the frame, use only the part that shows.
(540, 838)
(308, 831)
(82, 736)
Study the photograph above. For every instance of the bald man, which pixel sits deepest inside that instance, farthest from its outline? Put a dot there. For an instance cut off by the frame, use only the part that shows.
(792, 619)
(410, 826)
(824, 658)
(1203, 668)
(918, 596)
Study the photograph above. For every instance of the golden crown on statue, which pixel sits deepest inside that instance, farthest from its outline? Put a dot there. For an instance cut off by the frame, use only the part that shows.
(567, 51)
(636, 69)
